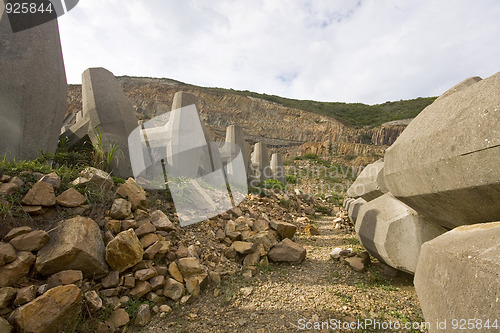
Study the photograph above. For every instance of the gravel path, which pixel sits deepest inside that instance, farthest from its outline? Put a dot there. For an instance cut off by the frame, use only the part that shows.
(294, 298)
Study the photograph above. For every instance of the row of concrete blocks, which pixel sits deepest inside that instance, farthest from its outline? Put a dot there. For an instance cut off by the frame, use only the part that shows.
(431, 207)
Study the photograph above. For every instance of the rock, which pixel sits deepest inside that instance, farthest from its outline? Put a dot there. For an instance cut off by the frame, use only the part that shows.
(185, 299)
(70, 198)
(7, 295)
(127, 224)
(115, 226)
(34, 210)
(193, 286)
(118, 318)
(7, 253)
(148, 240)
(285, 229)
(8, 189)
(175, 272)
(246, 291)
(311, 230)
(52, 179)
(457, 275)
(50, 312)
(252, 259)
(144, 229)
(354, 209)
(129, 282)
(134, 193)
(143, 315)
(141, 288)
(120, 209)
(16, 232)
(173, 289)
(95, 179)
(442, 168)
(111, 280)
(335, 254)
(161, 221)
(25, 295)
(124, 251)
(370, 183)
(157, 282)
(189, 266)
(31, 241)
(288, 251)
(356, 263)
(155, 248)
(93, 301)
(64, 278)
(182, 252)
(16, 270)
(165, 308)
(75, 244)
(393, 232)
(244, 247)
(5, 326)
(234, 236)
(145, 274)
(41, 194)
(264, 238)
(260, 225)
(193, 252)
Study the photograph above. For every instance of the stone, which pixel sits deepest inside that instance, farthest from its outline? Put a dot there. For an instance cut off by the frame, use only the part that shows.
(64, 278)
(370, 183)
(111, 280)
(393, 232)
(354, 208)
(173, 289)
(277, 168)
(95, 179)
(161, 221)
(214, 278)
(244, 247)
(8, 189)
(457, 275)
(25, 295)
(143, 315)
(287, 251)
(120, 209)
(75, 244)
(31, 241)
(175, 272)
(252, 259)
(34, 102)
(52, 179)
(445, 163)
(93, 301)
(189, 266)
(154, 249)
(70, 198)
(356, 263)
(193, 286)
(118, 318)
(260, 163)
(264, 238)
(51, 312)
(285, 229)
(34, 210)
(13, 272)
(5, 326)
(16, 232)
(7, 295)
(145, 274)
(193, 252)
(141, 288)
(41, 194)
(134, 193)
(16, 180)
(335, 254)
(129, 282)
(165, 308)
(311, 230)
(124, 251)
(144, 229)
(7, 253)
(127, 224)
(114, 226)
(157, 282)
(148, 239)
(260, 225)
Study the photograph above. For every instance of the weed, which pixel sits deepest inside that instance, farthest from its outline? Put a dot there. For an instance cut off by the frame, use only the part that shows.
(102, 156)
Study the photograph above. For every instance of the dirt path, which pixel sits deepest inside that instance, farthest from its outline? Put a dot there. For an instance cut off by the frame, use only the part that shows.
(289, 298)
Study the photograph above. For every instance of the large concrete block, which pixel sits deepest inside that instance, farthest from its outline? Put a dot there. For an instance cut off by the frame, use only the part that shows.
(106, 107)
(347, 202)
(354, 207)
(393, 232)
(445, 163)
(457, 277)
(260, 162)
(235, 139)
(277, 168)
(33, 89)
(370, 183)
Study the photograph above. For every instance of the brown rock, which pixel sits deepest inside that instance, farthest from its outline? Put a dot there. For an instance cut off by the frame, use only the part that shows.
(129, 282)
(31, 241)
(70, 198)
(173, 289)
(234, 236)
(143, 315)
(145, 274)
(264, 238)
(124, 251)
(189, 266)
(141, 288)
(252, 259)
(120, 209)
(157, 282)
(182, 252)
(7, 253)
(111, 280)
(8, 189)
(75, 244)
(244, 247)
(115, 226)
(64, 278)
(93, 301)
(193, 286)
(95, 179)
(148, 239)
(41, 194)
(175, 272)
(25, 295)
(51, 312)
(287, 251)
(260, 225)
(127, 224)
(134, 193)
(118, 319)
(52, 179)
(285, 229)
(356, 263)
(145, 228)
(16, 270)
(161, 221)
(5, 326)
(311, 230)
(7, 294)
(153, 250)
(16, 232)
(34, 210)
(141, 214)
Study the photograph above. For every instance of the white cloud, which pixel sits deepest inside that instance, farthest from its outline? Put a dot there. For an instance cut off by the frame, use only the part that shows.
(367, 51)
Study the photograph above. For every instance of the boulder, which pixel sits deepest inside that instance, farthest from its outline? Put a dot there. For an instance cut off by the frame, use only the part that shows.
(285, 229)
(173, 289)
(175, 272)
(95, 179)
(7, 295)
(457, 276)
(75, 244)
(41, 194)
(354, 209)
(370, 183)
(70, 198)
(393, 232)
(161, 221)
(189, 266)
(244, 247)
(16, 232)
(51, 312)
(31, 241)
(120, 209)
(134, 193)
(266, 238)
(287, 251)
(7, 253)
(52, 179)
(13, 272)
(5, 326)
(118, 318)
(64, 277)
(25, 295)
(141, 288)
(445, 163)
(124, 251)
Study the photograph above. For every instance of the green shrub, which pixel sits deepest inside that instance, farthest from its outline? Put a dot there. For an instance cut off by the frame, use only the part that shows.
(272, 184)
(291, 179)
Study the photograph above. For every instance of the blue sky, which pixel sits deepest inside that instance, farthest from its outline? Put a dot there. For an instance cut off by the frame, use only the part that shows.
(328, 50)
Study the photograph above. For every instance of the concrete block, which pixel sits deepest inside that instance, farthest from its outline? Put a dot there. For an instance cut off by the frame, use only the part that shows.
(457, 276)
(107, 108)
(33, 89)
(347, 202)
(370, 183)
(393, 232)
(260, 162)
(353, 210)
(445, 163)
(236, 144)
(277, 168)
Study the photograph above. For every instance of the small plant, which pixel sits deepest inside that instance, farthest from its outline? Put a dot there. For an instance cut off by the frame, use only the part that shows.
(118, 180)
(102, 157)
(272, 184)
(322, 209)
(291, 179)
(285, 203)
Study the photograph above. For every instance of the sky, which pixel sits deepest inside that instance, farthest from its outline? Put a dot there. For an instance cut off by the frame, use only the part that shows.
(368, 51)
